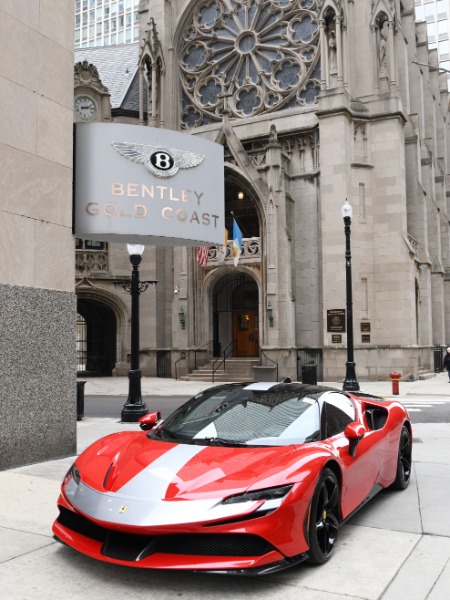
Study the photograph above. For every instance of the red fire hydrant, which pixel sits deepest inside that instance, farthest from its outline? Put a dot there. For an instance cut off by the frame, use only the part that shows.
(395, 378)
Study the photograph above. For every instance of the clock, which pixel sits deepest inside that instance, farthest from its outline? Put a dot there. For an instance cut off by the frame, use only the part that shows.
(85, 108)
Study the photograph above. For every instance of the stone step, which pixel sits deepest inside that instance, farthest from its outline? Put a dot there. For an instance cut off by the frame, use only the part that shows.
(426, 375)
(241, 371)
(217, 378)
(236, 369)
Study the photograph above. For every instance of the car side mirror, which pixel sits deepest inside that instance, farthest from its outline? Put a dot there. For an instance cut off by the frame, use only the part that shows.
(149, 420)
(354, 432)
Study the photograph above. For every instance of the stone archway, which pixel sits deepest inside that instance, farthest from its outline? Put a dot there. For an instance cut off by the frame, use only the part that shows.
(96, 338)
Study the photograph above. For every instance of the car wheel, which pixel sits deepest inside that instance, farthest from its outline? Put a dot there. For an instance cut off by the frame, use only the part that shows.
(404, 460)
(324, 516)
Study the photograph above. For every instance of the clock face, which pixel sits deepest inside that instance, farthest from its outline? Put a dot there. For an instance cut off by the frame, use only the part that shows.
(85, 108)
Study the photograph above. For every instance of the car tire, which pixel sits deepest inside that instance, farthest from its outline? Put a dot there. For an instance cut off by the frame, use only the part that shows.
(404, 463)
(324, 518)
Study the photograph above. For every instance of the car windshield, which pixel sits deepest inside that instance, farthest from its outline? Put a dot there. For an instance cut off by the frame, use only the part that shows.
(244, 416)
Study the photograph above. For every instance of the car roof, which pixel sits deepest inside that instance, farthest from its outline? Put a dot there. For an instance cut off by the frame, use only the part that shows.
(274, 387)
(304, 389)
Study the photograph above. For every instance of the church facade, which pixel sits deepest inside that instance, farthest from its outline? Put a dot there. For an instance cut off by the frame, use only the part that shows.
(316, 102)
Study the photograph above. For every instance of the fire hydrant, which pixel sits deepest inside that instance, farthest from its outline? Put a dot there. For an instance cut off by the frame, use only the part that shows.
(395, 378)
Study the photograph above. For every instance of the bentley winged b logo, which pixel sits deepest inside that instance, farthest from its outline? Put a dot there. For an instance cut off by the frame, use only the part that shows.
(160, 161)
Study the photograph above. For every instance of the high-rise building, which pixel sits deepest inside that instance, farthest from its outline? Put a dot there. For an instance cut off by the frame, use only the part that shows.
(436, 13)
(106, 22)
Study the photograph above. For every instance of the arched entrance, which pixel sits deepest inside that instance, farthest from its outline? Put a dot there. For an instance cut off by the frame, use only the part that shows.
(235, 316)
(96, 338)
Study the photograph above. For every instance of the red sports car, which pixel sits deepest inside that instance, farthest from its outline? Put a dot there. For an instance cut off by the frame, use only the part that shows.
(240, 479)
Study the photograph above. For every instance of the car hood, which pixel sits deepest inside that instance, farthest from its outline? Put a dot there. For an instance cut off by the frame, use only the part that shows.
(131, 480)
(137, 465)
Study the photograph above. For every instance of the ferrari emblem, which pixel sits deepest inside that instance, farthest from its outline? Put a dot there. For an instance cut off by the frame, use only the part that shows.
(160, 161)
(122, 509)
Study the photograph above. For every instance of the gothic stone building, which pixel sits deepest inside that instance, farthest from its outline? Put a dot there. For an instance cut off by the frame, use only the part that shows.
(316, 102)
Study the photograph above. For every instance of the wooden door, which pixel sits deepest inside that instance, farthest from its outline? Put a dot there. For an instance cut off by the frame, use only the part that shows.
(245, 333)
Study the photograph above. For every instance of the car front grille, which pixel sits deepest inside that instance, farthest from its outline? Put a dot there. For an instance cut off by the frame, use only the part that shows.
(135, 547)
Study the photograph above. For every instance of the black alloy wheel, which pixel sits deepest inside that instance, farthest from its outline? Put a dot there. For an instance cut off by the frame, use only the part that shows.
(324, 517)
(404, 460)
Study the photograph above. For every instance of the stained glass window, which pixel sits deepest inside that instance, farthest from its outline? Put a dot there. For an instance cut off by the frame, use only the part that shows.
(249, 57)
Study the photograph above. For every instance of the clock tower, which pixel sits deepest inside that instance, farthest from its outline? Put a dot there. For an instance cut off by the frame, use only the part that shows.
(91, 97)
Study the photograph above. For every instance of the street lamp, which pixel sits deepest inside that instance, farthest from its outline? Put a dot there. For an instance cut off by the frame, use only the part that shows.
(134, 408)
(350, 382)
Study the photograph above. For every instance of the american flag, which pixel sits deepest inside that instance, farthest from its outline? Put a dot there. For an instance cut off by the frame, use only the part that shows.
(202, 255)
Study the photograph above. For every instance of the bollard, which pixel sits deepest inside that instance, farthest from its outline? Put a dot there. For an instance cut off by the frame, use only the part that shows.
(395, 378)
(80, 400)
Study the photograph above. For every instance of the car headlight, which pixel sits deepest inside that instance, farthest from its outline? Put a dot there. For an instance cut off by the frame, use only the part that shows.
(74, 473)
(275, 493)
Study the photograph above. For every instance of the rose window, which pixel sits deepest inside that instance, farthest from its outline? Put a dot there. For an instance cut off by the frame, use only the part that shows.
(249, 57)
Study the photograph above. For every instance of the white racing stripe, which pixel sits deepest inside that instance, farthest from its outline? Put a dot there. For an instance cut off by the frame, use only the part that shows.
(140, 502)
(160, 472)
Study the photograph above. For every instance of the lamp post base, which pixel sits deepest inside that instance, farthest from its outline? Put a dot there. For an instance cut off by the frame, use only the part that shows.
(134, 408)
(350, 382)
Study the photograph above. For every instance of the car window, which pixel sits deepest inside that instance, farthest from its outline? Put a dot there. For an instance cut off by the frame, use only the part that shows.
(295, 419)
(247, 416)
(339, 411)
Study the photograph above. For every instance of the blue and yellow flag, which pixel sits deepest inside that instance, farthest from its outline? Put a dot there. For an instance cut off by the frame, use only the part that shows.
(237, 242)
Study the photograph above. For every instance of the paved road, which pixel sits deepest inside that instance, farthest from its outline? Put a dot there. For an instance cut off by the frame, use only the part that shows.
(428, 409)
(111, 406)
(422, 408)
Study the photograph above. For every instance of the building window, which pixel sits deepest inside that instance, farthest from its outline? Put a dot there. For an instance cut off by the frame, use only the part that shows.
(431, 32)
(429, 13)
(443, 30)
(443, 50)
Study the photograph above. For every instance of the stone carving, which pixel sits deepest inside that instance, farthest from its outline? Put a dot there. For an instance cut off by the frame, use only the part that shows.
(86, 73)
(332, 52)
(382, 49)
(273, 135)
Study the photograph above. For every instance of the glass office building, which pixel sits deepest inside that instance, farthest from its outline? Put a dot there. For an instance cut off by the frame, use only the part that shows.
(436, 14)
(106, 22)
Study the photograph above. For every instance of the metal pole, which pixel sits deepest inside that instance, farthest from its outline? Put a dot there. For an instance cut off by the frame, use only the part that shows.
(134, 408)
(135, 261)
(350, 382)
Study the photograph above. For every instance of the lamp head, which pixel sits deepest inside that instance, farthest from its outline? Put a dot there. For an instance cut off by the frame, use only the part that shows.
(346, 210)
(135, 252)
(135, 249)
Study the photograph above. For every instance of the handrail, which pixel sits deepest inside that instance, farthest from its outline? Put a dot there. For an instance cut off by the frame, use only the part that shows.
(269, 359)
(187, 353)
(225, 353)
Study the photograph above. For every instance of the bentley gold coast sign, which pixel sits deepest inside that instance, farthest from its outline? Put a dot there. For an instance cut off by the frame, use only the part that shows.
(143, 185)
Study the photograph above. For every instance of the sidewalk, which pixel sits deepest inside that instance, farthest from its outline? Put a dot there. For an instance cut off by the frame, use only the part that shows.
(398, 546)
(157, 386)
(108, 386)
